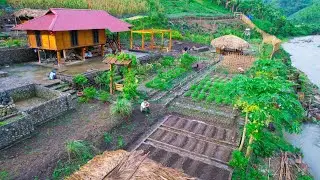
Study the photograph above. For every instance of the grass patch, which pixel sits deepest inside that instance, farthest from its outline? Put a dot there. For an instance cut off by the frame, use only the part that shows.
(79, 153)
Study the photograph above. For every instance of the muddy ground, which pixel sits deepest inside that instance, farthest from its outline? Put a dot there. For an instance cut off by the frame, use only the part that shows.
(38, 155)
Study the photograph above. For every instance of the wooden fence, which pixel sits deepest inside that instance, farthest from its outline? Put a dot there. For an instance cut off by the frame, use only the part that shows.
(267, 38)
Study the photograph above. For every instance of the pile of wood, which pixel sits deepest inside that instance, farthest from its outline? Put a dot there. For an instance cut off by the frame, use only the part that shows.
(121, 164)
(290, 165)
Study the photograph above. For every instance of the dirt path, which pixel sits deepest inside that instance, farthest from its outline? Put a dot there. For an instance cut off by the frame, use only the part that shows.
(38, 155)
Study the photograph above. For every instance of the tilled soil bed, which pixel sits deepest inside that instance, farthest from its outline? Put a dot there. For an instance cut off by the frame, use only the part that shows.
(198, 149)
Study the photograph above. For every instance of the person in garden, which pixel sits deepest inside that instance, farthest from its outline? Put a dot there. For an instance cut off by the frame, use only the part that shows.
(145, 107)
(53, 75)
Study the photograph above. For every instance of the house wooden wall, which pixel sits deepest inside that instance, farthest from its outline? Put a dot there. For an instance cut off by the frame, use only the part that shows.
(62, 39)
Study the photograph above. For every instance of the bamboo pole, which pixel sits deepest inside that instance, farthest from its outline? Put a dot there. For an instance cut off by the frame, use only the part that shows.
(162, 39)
(39, 56)
(244, 132)
(170, 41)
(119, 43)
(111, 80)
(152, 40)
(142, 42)
(131, 39)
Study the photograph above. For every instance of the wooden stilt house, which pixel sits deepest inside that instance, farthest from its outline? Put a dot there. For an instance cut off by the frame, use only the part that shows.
(62, 29)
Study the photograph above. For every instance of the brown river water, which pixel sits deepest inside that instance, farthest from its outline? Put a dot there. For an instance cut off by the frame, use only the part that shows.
(305, 53)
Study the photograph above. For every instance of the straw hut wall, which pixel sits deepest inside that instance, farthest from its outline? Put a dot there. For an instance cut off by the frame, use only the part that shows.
(230, 43)
(27, 13)
(125, 165)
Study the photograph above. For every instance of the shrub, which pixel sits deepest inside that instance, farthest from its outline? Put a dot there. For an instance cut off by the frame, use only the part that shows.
(122, 108)
(186, 61)
(80, 81)
(103, 96)
(167, 61)
(83, 99)
(130, 86)
(79, 150)
(103, 80)
(188, 93)
(107, 138)
(4, 175)
(201, 96)
(177, 35)
(120, 142)
(90, 92)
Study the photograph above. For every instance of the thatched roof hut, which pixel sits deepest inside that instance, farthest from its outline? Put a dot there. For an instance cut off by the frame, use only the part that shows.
(121, 164)
(230, 42)
(28, 13)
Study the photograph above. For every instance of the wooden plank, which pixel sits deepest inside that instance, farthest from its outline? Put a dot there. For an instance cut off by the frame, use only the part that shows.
(45, 40)
(52, 41)
(32, 39)
(102, 36)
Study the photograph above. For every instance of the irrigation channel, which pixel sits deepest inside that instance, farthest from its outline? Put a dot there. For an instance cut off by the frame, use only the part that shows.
(305, 53)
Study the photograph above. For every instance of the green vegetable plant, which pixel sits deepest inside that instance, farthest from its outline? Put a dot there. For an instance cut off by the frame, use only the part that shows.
(120, 142)
(80, 81)
(122, 108)
(107, 138)
(90, 92)
(103, 96)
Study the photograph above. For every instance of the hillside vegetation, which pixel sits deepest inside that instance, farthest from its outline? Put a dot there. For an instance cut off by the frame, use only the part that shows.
(193, 7)
(130, 7)
(115, 7)
(310, 15)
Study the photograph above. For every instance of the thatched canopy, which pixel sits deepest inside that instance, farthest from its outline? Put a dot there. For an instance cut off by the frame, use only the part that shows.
(230, 42)
(30, 13)
(120, 164)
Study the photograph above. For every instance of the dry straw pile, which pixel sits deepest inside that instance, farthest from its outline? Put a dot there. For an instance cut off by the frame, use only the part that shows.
(121, 164)
(230, 42)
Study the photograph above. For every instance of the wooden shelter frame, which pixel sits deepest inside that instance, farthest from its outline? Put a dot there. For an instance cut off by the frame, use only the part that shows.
(111, 62)
(152, 32)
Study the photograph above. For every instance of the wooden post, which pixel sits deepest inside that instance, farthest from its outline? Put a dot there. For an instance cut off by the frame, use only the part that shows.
(162, 39)
(142, 42)
(111, 79)
(102, 50)
(59, 57)
(131, 40)
(152, 40)
(64, 54)
(83, 53)
(170, 41)
(119, 43)
(39, 56)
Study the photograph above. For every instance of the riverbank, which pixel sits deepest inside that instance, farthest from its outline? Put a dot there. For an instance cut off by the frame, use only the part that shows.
(305, 52)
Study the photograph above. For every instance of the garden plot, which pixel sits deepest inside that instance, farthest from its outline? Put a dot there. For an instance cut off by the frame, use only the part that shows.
(201, 150)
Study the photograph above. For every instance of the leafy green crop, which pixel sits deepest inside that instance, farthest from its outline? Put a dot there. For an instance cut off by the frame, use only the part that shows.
(90, 92)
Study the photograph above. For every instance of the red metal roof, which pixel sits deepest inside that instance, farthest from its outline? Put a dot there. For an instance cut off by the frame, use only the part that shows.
(60, 19)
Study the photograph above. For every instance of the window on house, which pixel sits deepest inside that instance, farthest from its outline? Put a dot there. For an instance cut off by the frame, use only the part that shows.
(74, 38)
(38, 38)
(95, 33)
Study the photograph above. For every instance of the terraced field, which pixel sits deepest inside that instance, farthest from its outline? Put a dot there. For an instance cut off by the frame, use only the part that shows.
(197, 148)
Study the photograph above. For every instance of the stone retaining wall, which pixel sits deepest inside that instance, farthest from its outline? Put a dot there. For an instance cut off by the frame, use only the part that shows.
(17, 128)
(16, 55)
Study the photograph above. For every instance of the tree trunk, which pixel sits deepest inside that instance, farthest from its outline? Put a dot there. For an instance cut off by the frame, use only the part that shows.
(249, 148)
(244, 132)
